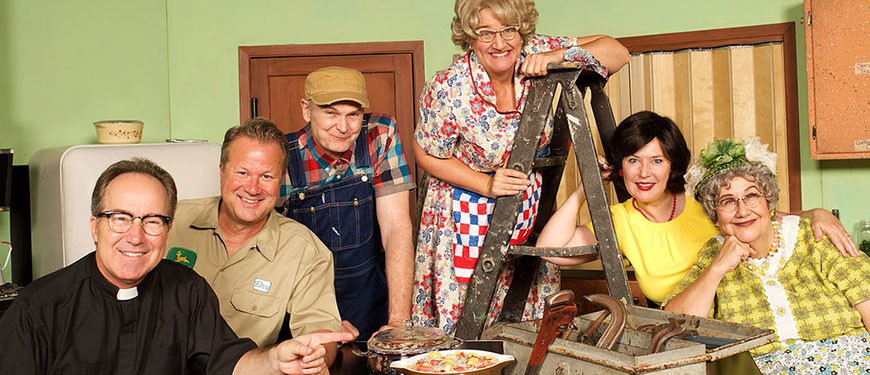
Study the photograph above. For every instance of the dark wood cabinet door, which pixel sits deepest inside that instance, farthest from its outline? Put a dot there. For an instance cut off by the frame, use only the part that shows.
(271, 80)
(277, 85)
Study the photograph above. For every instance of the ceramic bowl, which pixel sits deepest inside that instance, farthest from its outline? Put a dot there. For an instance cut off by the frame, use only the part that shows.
(119, 131)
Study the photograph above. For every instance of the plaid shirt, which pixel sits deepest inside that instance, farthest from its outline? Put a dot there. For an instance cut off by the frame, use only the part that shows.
(390, 171)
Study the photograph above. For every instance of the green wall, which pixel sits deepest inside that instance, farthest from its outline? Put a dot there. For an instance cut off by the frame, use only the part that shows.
(174, 63)
(64, 65)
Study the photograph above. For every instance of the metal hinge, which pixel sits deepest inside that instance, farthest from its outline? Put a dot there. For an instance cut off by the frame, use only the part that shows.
(809, 18)
(253, 107)
(814, 132)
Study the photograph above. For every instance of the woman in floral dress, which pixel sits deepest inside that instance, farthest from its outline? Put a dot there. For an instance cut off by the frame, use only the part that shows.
(765, 269)
(469, 115)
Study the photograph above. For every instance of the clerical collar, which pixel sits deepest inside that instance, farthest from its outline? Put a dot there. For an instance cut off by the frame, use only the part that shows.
(127, 294)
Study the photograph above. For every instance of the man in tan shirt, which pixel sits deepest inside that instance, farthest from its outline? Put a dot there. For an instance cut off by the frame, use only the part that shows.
(260, 264)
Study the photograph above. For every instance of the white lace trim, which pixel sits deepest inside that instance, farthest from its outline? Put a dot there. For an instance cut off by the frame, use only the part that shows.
(783, 318)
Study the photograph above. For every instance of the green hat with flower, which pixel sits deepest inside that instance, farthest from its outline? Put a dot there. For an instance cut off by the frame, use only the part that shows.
(725, 154)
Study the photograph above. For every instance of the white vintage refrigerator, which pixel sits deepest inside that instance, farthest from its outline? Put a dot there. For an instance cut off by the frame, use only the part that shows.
(62, 180)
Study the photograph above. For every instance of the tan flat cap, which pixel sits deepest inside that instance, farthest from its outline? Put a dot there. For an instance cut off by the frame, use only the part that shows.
(332, 84)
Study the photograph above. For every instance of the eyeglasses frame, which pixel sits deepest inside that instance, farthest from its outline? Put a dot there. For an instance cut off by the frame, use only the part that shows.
(480, 37)
(738, 201)
(108, 214)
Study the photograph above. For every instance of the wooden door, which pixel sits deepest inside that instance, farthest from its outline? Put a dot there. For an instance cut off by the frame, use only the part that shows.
(271, 80)
(277, 84)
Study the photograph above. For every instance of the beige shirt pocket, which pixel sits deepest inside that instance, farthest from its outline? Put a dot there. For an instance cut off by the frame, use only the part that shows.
(254, 303)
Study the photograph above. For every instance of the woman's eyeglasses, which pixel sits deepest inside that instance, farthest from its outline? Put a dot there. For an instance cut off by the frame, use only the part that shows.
(121, 222)
(729, 204)
(488, 35)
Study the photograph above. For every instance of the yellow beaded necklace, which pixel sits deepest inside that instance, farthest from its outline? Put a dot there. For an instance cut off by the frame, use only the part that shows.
(760, 265)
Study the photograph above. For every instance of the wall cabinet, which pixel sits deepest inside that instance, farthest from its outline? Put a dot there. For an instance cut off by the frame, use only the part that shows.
(838, 78)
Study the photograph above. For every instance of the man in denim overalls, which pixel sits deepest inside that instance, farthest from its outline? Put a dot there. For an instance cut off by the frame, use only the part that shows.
(349, 183)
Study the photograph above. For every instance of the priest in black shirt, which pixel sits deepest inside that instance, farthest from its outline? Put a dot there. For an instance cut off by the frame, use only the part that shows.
(124, 310)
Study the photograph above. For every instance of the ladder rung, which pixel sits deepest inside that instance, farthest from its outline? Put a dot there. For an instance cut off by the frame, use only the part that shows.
(549, 161)
(565, 65)
(553, 251)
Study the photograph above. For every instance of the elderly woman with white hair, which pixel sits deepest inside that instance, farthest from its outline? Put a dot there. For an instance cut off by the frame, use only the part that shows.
(765, 270)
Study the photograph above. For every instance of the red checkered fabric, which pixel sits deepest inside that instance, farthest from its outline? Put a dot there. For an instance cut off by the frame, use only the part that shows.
(471, 214)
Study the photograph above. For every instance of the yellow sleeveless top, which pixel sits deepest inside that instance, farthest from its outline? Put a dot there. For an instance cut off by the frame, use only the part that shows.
(661, 253)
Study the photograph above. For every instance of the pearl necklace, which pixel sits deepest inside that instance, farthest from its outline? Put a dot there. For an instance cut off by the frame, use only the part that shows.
(760, 265)
(673, 209)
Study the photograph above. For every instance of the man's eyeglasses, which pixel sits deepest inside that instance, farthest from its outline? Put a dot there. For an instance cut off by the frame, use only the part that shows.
(488, 35)
(121, 222)
(729, 204)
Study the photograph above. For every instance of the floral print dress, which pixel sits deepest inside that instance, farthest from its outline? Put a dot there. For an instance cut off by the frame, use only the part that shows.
(458, 118)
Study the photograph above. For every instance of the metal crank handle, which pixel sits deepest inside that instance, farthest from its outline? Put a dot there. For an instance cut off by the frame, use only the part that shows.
(619, 316)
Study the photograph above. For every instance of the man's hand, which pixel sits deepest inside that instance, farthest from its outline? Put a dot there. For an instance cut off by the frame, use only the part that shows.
(347, 327)
(305, 354)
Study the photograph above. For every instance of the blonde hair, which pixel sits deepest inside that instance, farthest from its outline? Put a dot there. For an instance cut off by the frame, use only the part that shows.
(521, 13)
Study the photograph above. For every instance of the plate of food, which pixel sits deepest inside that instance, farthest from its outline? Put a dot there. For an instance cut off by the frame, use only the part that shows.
(460, 361)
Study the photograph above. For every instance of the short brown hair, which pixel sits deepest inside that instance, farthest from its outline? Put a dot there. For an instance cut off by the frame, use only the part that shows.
(466, 17)
(134, 165)
(259, 129)
(638, 130)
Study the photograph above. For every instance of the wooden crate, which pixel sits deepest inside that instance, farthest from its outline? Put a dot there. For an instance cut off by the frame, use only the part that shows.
(630, 355)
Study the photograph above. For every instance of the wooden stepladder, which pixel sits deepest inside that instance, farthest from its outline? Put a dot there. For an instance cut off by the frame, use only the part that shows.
(571, 128)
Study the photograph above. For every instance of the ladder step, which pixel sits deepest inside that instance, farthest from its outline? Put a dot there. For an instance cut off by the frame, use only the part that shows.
(553, 251)
(549, 161)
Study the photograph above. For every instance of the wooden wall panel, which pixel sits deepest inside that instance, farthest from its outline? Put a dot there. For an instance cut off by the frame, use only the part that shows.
(763, 87)
(742, 92)
(780, 125)
(637, 72)
(721, 93)
(732, 91)
(702, 107)
(662, 83)
(682, 93)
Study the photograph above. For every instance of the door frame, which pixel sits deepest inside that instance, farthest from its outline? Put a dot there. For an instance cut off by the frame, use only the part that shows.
(248, 53)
